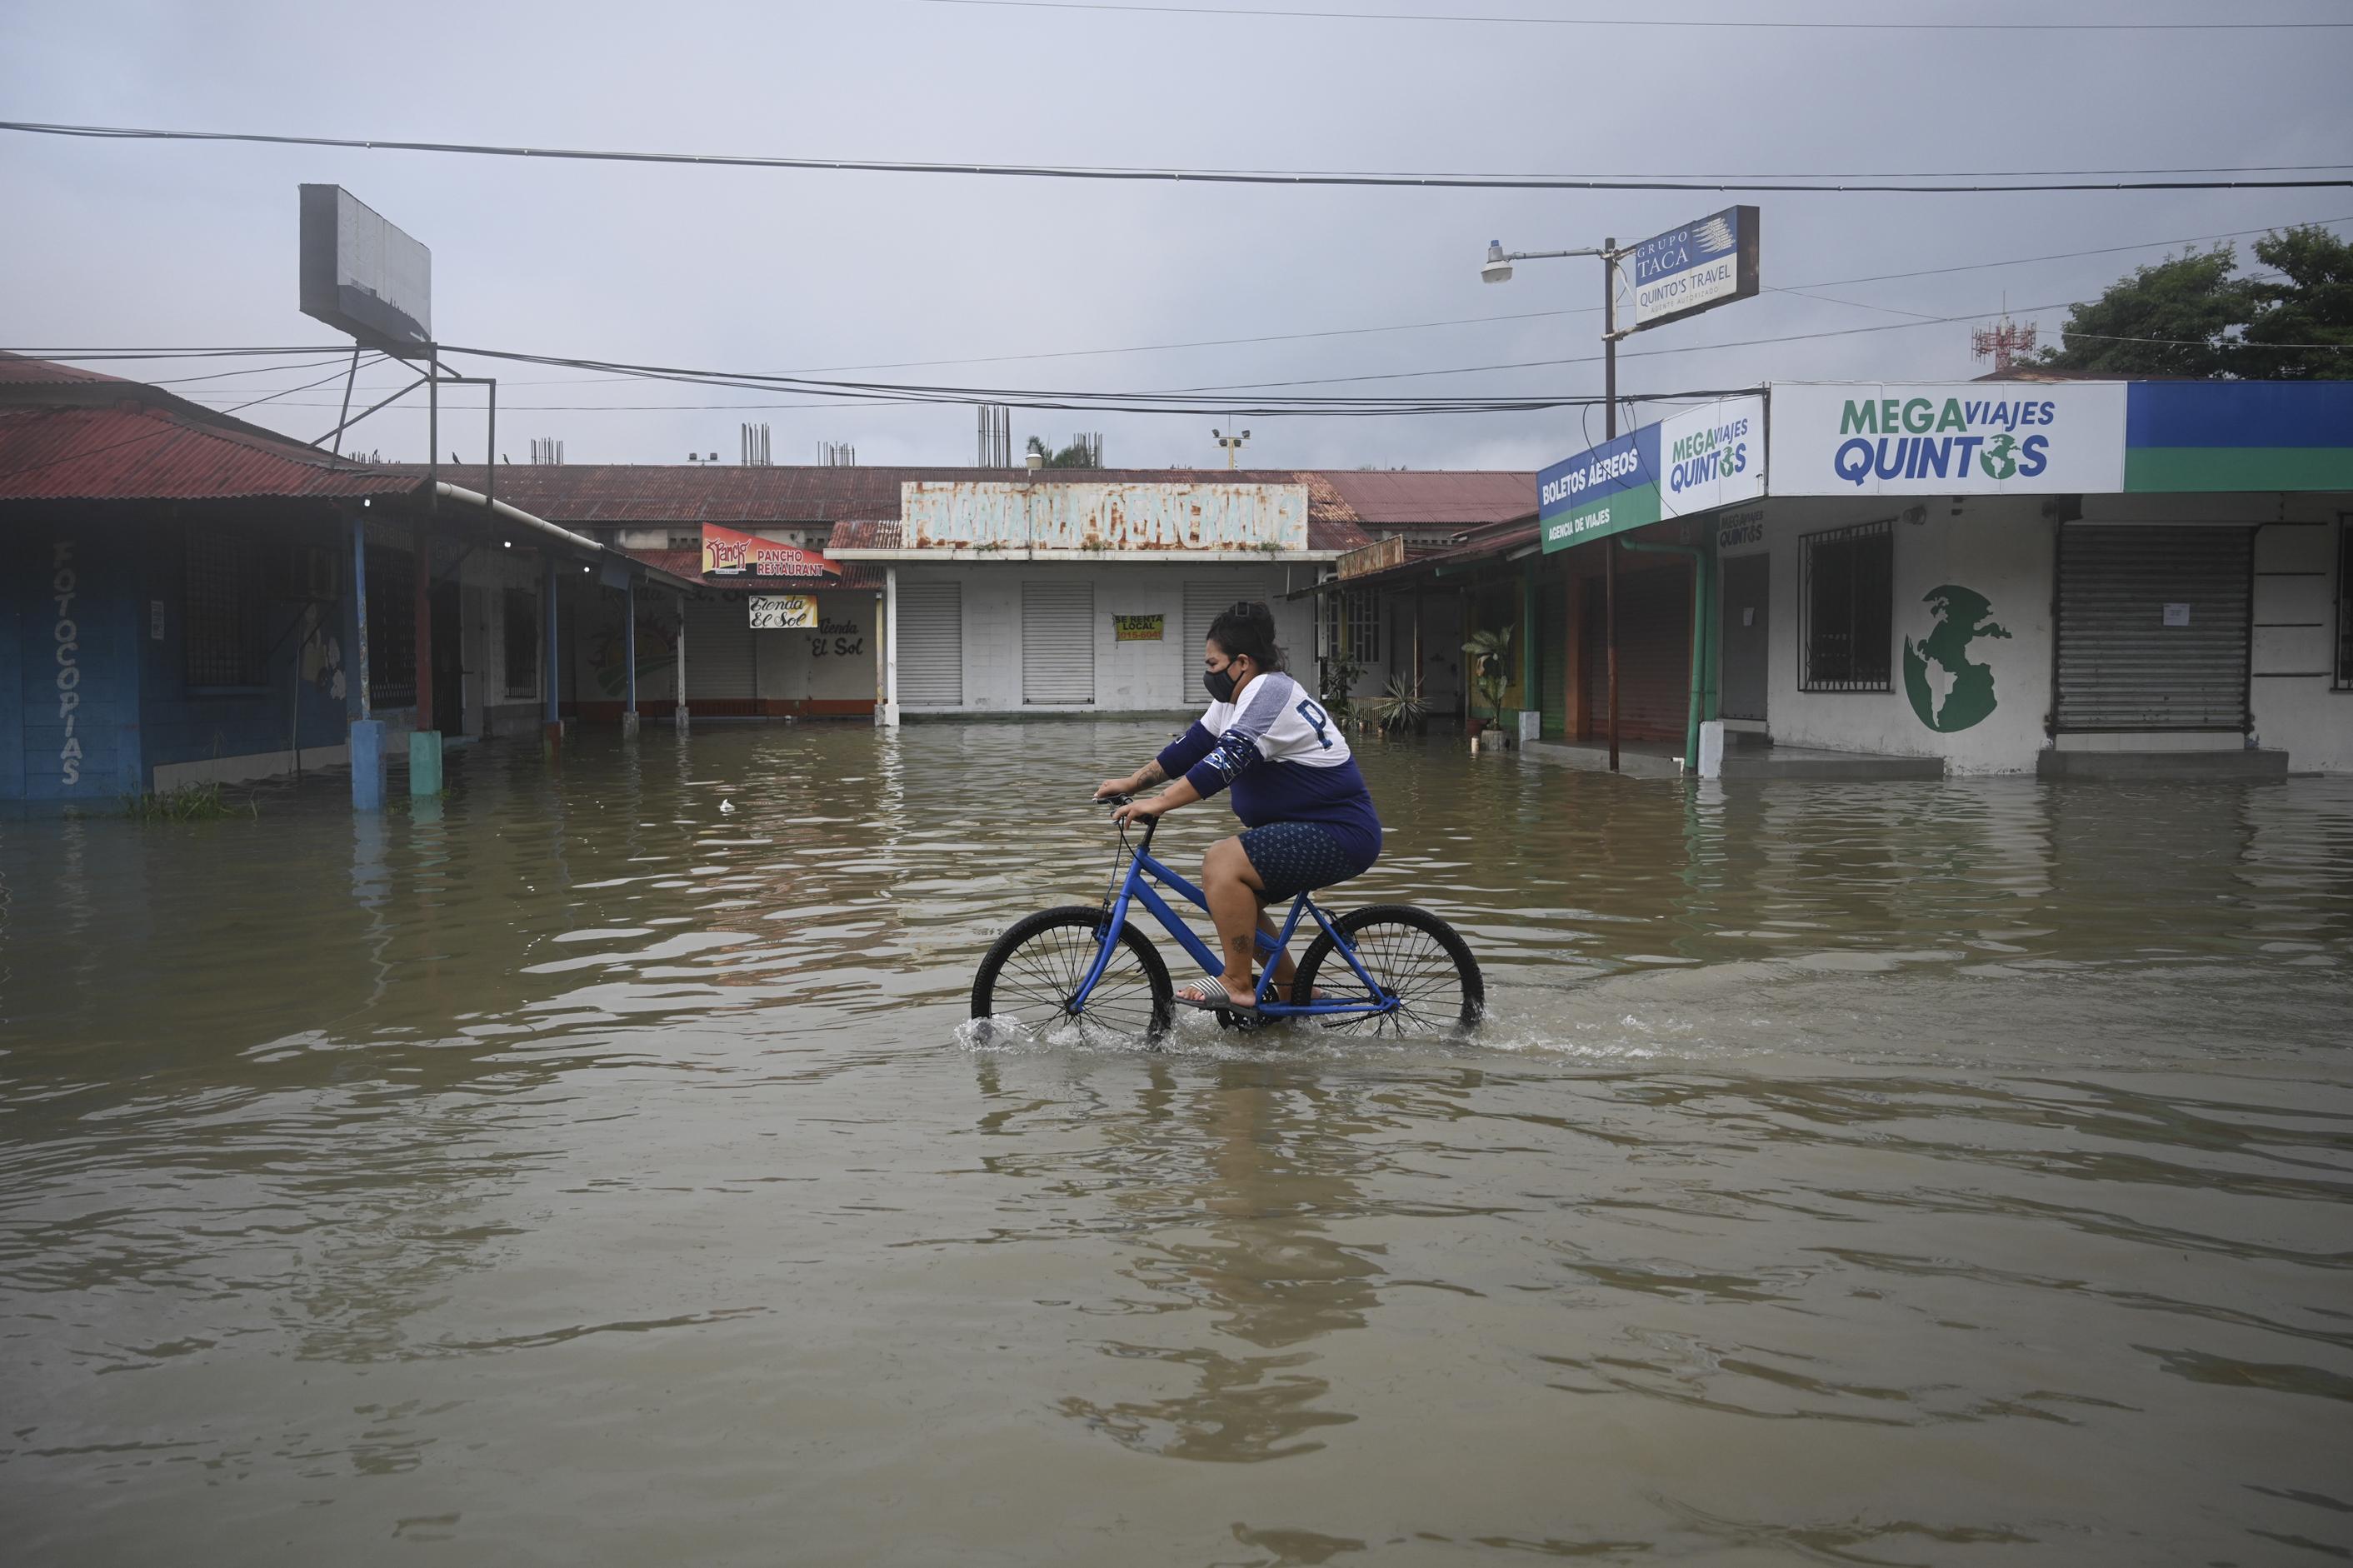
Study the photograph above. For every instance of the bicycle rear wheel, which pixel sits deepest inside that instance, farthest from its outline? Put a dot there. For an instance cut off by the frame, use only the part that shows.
(1410, 954)
(1032, 974)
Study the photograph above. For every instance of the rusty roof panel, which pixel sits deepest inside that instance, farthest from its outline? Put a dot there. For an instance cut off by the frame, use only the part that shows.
(1399, 499)
(132, 452)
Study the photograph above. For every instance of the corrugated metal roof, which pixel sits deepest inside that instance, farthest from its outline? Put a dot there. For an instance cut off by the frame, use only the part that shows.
(134, 452)
(15, 370)
(623, 495)
(1388, 498)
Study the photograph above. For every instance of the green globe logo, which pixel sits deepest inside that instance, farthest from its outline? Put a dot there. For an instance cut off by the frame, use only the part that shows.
(1963, 615)
(2000, 460)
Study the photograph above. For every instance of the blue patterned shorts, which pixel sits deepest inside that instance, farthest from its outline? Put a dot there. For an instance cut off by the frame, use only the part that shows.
(1293, 858)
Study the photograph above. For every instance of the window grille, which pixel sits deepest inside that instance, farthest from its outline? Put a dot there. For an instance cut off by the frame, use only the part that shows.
(1847, 609)
(1350, 627)
(391, 627)
(521, 625)
(223, 620)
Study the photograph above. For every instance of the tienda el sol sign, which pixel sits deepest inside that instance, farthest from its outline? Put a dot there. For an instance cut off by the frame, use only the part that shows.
(1702, 458)
(1969, 437)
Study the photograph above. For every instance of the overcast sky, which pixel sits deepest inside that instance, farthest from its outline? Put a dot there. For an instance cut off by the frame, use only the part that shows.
(151, 244)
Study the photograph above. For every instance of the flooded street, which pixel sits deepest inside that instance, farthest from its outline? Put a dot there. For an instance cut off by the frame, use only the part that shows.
(579, 1170)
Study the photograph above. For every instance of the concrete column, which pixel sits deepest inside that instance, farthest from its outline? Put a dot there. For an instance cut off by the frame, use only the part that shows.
(551, 679)
(678, 667)
(629, 658)
(367, 729)
(891, 645)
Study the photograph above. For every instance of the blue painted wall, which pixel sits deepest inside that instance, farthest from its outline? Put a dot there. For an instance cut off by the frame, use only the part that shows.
(69, 678)
(183, 726)
(92, 700)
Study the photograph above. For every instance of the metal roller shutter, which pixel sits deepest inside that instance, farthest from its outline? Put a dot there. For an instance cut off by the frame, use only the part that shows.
(719, 653)
(1653, 655)
(1204, 603)
(2120, 667)
(931, 644)
(1058, 644)
(1552, 669)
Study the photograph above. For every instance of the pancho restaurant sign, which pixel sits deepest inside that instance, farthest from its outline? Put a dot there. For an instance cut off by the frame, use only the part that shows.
(1704, 458)
(1969, 437)
(728, 553)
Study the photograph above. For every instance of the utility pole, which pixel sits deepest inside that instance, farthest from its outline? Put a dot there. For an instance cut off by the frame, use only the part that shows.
(1233, 444)
(1498, 269)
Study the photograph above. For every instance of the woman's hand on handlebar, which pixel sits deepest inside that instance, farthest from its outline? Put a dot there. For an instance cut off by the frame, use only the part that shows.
(1110, 787)
(1141, 811)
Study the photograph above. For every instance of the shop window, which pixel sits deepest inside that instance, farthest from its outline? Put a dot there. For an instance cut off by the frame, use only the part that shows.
(1350, 627)
(1847, 609)
(391, 627)
(521, 624)
(226, 593)
(2344, 681)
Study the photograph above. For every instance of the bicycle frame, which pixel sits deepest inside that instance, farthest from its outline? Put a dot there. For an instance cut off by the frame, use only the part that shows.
(1135, 889)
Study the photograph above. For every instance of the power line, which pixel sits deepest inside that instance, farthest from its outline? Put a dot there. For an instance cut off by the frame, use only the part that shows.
(1786, 186)
(93, 355)
(1700, 24)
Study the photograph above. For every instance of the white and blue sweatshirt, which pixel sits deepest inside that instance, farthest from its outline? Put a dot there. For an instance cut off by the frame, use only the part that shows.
(1286, 759)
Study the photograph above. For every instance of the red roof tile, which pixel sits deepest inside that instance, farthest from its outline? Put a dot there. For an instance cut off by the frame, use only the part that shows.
(1394, 499)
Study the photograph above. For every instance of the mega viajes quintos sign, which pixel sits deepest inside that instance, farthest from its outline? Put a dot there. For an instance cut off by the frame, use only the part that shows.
(1965, 438)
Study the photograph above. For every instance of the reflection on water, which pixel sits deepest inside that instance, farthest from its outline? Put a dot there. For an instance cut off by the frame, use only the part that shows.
(590, 1167)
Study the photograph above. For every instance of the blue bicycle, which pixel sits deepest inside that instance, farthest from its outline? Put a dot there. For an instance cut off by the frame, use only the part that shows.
(1399, 968)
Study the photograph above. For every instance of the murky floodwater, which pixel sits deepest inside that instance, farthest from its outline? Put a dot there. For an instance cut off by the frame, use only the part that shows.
(587, 1172)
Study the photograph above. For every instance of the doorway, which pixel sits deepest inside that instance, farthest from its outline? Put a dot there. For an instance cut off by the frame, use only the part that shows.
(1747, 605)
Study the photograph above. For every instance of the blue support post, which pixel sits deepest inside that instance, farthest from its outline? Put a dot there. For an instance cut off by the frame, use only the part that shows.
(367, 730)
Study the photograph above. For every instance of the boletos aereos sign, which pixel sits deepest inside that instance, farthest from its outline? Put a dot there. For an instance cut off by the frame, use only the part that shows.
(1973, 439)
(1703, 457)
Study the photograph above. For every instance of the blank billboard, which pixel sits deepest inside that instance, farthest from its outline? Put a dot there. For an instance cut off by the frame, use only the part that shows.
(361, 275)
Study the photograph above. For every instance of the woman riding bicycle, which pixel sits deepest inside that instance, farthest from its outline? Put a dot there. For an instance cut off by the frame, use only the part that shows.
(1309, 817)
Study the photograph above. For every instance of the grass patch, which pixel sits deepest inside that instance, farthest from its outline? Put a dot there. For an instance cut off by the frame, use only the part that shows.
(189, 803)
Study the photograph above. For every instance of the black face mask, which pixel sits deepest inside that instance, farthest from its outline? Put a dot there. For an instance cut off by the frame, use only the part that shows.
(1220, 683)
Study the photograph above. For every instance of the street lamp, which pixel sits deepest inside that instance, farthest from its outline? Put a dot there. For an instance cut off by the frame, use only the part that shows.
(1498, 269)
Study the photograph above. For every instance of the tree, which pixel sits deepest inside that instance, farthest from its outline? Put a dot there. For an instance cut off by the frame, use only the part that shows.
(1081, 453)
(2314, 306)
(2191, 315)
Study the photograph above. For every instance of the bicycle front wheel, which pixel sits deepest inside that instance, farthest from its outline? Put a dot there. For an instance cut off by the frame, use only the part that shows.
(1034, 969)
(1411, 954)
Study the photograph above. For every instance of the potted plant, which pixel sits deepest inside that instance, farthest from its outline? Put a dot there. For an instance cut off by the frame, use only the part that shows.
(1400, 708)
(1491, 662)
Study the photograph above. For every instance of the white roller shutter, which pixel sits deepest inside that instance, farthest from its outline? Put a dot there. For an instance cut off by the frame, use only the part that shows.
(2123, 663)
(1058, 643)
(1204, 603)
(931, 644)
(718, 651)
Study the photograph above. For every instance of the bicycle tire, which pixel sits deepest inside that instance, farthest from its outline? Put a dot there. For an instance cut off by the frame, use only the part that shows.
(1053, 964)
(1453, 993)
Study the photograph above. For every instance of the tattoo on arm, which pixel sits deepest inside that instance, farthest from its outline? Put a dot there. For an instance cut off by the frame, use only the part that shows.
(1152, 773)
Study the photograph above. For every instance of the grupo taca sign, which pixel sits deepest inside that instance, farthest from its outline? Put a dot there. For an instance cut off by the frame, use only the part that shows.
(1966, 438)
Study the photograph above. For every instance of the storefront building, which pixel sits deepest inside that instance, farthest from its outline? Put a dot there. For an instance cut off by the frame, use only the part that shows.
(1016, 596)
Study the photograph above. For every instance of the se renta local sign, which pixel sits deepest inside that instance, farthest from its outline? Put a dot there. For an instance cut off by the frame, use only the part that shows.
(1703, 457)
(1952, 439)
(1709, 262)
